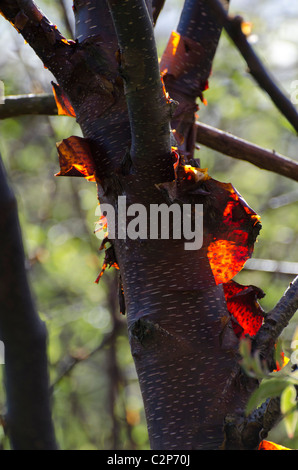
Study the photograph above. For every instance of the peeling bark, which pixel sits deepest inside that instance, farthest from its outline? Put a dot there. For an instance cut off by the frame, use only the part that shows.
(183, 344)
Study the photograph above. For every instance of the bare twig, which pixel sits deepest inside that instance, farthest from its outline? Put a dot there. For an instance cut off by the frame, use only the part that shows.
(276, 320)
(216, 139)
(255, 65)
(20, 105)
(67, 364)
(272, 266)
(115, 374)
(235, 147)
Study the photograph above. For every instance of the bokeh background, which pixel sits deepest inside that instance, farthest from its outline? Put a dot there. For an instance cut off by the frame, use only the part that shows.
(96, 398)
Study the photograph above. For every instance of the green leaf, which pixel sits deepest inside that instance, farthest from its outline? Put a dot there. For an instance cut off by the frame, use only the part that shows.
(252, 364)
(288, 408)
(288, 399)
(268, 388)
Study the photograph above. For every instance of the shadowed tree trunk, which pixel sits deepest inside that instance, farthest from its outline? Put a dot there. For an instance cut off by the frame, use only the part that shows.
(29, 423)
(183, 337)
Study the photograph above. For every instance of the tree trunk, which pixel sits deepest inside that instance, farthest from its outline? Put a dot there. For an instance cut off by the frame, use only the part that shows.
(183, 338)
(29, 423)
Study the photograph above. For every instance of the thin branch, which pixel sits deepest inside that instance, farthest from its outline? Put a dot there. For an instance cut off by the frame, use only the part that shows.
(255, 65)
(276, 320)
(20, 105)
(149, 113)
(68, 364)
(281, 200)
(116, 377)
(272, 266)
(249, 431)
(216, 139)
(235, 147)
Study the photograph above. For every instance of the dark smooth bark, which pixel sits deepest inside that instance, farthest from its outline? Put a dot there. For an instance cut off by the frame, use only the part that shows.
(21, 105)
(29, 422)
(148, 108)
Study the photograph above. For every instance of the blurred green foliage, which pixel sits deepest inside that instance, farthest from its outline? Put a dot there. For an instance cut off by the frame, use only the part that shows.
(96, 400)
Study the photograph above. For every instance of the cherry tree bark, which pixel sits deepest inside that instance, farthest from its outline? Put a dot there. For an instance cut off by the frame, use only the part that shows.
(183, 337)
